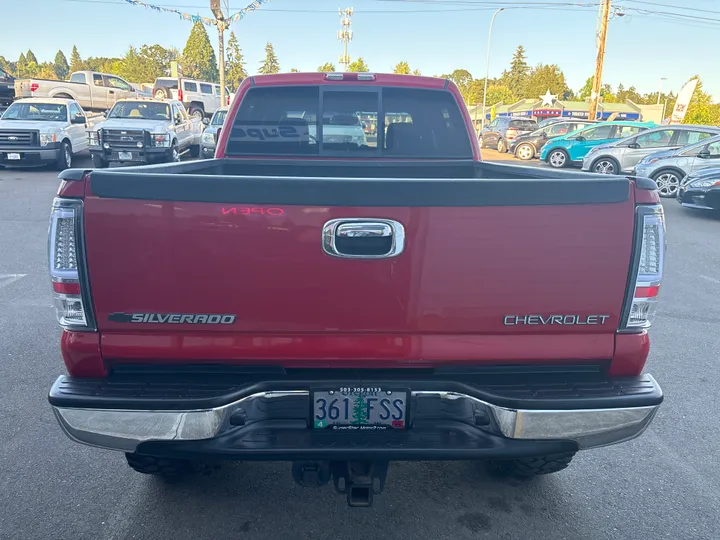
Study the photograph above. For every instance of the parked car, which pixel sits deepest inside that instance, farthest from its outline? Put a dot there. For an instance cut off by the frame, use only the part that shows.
(527, 146)
(7, 89)
(212, 132)
(621, 156)
(200, 98)
(571, 149)
(145, 131)
(701, 190)
(549, 121)
(93, 90)
(503, 130)
(669, 167)
(42, 131)
(188, 335)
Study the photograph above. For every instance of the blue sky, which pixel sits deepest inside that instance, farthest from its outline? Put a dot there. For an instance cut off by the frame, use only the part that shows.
(435, 36)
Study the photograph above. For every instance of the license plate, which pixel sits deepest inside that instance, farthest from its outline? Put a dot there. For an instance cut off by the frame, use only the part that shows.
(359, 408)
(13, 156)
(125, 156)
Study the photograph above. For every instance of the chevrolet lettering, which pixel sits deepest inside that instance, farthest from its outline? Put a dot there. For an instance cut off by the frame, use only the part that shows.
(518, 320)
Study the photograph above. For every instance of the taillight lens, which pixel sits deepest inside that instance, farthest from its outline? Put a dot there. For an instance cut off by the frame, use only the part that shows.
(34, 87)
(180, 94)
(647, 268)
(65, 260)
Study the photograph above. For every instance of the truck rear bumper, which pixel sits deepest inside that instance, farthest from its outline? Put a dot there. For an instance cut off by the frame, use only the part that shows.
(270, 420)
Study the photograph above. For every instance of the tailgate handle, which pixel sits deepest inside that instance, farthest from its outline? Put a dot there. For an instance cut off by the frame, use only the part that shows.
(363, 238)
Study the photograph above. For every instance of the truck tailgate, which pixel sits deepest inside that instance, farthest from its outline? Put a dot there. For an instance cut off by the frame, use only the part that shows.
(493, 271)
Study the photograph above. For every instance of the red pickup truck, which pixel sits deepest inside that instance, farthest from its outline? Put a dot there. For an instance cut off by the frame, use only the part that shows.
(340, 300)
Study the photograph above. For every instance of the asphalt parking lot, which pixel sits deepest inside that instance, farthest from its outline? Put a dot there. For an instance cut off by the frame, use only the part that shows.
(665, 484)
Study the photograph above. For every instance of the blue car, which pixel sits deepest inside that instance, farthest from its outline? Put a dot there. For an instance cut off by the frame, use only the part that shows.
(571, 148)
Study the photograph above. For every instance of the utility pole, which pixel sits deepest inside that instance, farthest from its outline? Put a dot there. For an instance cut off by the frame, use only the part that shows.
(601, 40)
(222, 25)
(345, 35)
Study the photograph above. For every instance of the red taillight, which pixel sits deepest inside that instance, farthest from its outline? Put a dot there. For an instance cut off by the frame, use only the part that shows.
(227, 101)
(646, 271)
(66, 261)
(180, 94)
(34, 86)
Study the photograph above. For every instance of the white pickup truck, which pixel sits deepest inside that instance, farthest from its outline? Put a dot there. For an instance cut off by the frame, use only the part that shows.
(94, 91)
(145, 130)
(37, 131)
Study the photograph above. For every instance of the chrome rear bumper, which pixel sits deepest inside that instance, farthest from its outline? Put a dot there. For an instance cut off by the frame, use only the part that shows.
(126, 429)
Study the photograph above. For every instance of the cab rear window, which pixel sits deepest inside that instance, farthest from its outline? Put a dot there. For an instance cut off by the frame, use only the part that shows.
(372, 122)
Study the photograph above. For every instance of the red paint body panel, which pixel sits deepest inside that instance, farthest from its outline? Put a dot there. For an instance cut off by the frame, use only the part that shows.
(81, 353)
(631, 352)
(462, 272)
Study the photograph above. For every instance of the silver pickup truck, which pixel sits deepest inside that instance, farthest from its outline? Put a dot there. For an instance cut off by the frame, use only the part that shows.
(93, 90)
(38, 131)
(145, 130)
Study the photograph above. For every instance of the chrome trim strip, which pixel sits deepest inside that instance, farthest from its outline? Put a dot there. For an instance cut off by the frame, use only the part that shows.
(125, 429)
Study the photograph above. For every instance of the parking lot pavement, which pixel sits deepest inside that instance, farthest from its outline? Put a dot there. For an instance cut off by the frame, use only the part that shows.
(664, 485)
(489, 154)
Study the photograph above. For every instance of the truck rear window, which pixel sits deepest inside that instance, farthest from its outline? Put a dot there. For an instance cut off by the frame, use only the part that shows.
(525, 125)
(342, 121)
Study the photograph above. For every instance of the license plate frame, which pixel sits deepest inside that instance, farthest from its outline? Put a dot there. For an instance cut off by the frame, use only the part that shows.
(347, 410)
(125, 156)
(13, 156)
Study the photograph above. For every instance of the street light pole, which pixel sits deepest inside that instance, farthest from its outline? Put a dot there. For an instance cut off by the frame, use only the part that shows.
(487, 65)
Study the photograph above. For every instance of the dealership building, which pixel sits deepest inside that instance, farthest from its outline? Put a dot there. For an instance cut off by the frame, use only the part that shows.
(539, 109)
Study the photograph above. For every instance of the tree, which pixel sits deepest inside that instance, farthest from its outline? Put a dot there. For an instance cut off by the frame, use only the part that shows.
(542, 78)
(271, 64)
(61, 66)
(358, 66)
(21, 66)
(359, 411)
(293, 70)
(143, 65)
(499, 92)
(76, 63)
(516, 77)
(234, 63)
(416, 72)
(701, 109)
(30, 57)
(402, 68)
(198, 56)
(462, 78)
(327, 67)
(46, 70)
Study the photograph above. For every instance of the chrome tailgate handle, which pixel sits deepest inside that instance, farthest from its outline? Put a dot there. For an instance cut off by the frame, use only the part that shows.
(363, 238)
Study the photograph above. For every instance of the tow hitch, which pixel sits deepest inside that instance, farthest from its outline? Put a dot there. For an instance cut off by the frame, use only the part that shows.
(358, 480)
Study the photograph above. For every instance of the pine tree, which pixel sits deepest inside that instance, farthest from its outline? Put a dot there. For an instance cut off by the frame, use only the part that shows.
(358, 66)
(61, 66)
(517, 76)
(30, 57)
(271, 63)
(198, 56)
(359, 411)
(402, 68)
(327, 67)
(234, 63)
(76, 63)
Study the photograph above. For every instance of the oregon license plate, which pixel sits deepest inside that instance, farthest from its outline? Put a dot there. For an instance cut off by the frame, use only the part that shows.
(359, 408)
(13, 156)
(125, 156)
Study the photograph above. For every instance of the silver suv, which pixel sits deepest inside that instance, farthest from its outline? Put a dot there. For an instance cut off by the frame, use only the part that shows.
(619, 157)
(669, 167)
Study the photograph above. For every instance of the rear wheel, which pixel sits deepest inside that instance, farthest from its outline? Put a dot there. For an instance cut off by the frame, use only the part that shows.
(557, 158)
(605, 165)
(197, 112)
(162, 93)
(175, 153)
(64, 158)
(530, 466)
(668, 182)
(501, 146)
(525, 151)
